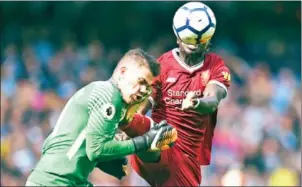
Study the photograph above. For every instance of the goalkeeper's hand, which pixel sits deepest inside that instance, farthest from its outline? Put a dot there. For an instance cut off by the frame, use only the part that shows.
(116, 168)
(158, 138)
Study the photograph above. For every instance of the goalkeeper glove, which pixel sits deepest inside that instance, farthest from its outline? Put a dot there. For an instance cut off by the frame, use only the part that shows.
(160, 137)
(116, 168)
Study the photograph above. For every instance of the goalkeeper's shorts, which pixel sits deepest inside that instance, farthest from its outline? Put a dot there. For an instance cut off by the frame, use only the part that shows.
(174, 169)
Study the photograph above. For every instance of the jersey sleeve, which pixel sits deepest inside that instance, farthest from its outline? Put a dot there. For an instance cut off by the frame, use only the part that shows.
(100, 143)
(220, 75)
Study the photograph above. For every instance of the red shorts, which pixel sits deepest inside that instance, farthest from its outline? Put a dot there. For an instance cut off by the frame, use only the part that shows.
(174, 169)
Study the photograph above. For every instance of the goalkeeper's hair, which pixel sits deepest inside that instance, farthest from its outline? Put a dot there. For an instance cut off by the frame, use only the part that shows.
(142, 59)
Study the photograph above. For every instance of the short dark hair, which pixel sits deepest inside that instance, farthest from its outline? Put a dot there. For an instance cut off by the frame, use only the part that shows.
(143, 58)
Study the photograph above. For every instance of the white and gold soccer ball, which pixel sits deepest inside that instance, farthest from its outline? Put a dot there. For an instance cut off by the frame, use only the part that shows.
(194, 23)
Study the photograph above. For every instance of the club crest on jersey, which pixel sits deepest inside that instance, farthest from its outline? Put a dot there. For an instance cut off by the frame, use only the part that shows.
(108, 111)
(226, 76)
(205, 76)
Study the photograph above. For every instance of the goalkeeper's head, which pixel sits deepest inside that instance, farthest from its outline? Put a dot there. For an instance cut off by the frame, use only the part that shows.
(134, 75)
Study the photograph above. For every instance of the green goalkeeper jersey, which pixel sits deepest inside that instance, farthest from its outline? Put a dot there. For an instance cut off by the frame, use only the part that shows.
(83, 136)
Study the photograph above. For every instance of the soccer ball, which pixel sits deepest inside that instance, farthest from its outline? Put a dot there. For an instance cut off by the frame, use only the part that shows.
(194, 23)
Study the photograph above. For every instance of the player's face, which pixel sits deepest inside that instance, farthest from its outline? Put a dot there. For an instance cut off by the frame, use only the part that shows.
(135, 84)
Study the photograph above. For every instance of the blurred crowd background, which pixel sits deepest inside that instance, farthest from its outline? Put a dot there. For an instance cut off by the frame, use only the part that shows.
(50, 49)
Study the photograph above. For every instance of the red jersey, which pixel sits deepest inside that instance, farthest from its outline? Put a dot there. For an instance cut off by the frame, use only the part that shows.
(176, 79)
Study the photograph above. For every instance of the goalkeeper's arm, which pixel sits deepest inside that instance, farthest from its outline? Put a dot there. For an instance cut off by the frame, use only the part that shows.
(102, 147)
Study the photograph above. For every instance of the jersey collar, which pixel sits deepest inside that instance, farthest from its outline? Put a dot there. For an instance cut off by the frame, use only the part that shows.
(183, 64)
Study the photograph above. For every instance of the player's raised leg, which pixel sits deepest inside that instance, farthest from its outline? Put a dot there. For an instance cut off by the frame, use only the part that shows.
(140, 124)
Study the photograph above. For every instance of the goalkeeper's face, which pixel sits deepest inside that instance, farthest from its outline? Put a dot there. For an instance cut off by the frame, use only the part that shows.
(135, 83)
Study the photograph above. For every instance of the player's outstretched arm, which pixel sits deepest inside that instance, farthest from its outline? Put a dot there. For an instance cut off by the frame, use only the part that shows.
(101, 128)
(213, 94)
(99, 143)
(101, 147)
(215, 91)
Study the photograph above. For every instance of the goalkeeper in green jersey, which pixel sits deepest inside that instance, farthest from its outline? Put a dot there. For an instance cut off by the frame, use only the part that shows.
(83, 137)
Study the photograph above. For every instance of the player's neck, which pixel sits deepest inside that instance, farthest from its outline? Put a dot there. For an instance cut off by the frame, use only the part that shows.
(191, 60)
(114, 82)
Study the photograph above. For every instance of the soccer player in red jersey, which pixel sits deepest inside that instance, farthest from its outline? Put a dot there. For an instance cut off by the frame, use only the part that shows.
(191, 84)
